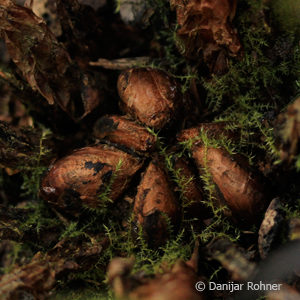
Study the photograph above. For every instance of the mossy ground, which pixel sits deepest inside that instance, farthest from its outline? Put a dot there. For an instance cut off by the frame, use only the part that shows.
(257, 86)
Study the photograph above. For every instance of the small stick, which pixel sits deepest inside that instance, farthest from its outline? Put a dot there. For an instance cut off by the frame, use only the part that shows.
(121, 63)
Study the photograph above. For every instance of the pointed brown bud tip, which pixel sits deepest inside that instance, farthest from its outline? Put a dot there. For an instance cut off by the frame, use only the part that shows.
(212, 130)
(149, 95)
(124, 132)
(240, 188)
(192, 194)
(155, 204)
(83, 176)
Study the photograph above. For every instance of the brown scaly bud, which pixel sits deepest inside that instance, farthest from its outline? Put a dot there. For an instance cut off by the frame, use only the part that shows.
(124, 132)
(212, 130)
(86, 173)
(154, 203)
(241, 190)
(149, 95)
(192, 199)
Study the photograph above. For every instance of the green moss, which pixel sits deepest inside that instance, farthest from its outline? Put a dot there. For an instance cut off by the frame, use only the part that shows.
(258, 84)
(104, 196)
(298, 163)
(40, 217)
(253, 87)
(82, 294)
(292, 210)
(32, 175)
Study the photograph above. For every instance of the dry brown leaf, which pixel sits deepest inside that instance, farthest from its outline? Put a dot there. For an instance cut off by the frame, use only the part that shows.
(35, 279)
(232, 258)
(44, 63)
(46, 9)
(176, 283)
(270, 228)
(288, 127)
(205, 26)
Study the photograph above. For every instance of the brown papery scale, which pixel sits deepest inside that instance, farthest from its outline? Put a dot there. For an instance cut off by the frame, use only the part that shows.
(149, 95)
(124, 132)
(155, 201)
(241, 190)
(86, 173)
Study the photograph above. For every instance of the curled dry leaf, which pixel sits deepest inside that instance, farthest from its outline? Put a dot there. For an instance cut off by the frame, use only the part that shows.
(18, 148)
(205, 26)
(294, 229)
(270, 228)
(154, 203)
(44, 63)
(239, 187)
(46, 9)
(288, 127)
(175, 283)
(10, 223)
(149, 95)
(118, 275)
(32, 280)
(124, 132)
(35, 279)
(86, 174)
(232, 258)
(11, 108)
(81, 29)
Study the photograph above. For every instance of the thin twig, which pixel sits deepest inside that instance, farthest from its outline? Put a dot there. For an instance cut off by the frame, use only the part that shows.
(122, 63)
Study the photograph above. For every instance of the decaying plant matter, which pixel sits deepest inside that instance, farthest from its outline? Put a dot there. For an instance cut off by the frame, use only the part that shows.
(37, 278)
(177, 283)
(44, 62)
(168, 128)
(205, 28)
(18, 147)
(289, 130)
